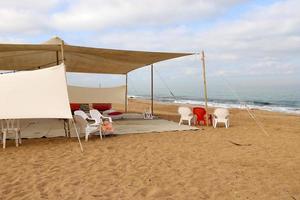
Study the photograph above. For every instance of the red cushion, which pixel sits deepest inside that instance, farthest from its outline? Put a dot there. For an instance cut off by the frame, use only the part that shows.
(115, 113)
(75, 106)
(102, 106)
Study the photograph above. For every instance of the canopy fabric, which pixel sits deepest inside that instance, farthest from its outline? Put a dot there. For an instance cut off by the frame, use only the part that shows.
(35, 94)
(97, 95)
(77, 58)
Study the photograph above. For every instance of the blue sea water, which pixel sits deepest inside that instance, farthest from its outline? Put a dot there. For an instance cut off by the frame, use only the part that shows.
(271, 98)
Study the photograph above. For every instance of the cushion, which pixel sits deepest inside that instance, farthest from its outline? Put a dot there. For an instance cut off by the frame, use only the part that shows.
(115, 113)
(75, 106)
(102, 106)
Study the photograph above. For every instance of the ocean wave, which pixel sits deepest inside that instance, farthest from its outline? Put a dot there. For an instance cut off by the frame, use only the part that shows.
(280, 106)
(244, 105)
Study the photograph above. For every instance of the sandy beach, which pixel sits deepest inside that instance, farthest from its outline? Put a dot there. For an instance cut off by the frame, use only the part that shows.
(241, 162)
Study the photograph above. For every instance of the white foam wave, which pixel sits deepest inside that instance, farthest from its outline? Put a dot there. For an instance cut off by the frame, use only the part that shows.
(242, 106)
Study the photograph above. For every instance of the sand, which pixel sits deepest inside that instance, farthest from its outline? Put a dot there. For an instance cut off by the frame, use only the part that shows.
(202, 164)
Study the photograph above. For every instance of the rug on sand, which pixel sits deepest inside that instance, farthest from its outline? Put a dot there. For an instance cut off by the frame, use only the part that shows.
(38, 128)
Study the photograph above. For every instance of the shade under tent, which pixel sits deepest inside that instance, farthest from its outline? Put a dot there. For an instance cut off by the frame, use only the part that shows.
(23, 57)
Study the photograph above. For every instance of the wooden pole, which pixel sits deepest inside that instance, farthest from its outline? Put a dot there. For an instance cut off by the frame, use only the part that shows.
(62, 51)
(126, 93)
(205, 88)
(57, 60)
(67, 122)
(152, 89)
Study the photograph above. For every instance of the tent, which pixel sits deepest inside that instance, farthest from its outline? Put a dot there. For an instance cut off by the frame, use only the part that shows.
(25, 94)
(80, 59)
(77, 58)
(23, 57)
(35, 94)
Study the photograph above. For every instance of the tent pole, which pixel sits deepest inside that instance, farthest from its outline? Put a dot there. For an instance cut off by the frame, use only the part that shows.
(205, 88)
(62, 51)
(77, 134)
(65, 128)
(126, 93)
(57, 60)
(67, 122)
(152, 89)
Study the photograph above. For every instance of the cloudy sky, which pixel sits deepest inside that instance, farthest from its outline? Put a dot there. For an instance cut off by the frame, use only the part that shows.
(254, 43)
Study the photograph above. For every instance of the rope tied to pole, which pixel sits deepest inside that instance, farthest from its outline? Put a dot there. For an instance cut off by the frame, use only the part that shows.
(251, 114)
(166, 85)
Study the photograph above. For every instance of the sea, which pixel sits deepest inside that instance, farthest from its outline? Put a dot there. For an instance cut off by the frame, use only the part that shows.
(274, 99)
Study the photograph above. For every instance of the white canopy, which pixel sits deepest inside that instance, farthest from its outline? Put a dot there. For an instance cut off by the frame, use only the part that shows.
(35, 94)
(97, 95)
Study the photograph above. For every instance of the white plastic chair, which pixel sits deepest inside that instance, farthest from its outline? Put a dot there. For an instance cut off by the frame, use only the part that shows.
(221, 115)
(186, 115)
(85, 127)
(97, 116)
(10, 126)
(82, 114)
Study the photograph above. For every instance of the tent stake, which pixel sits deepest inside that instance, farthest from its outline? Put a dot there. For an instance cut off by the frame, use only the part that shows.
(126, 91)
(152, 90)
(205, 88)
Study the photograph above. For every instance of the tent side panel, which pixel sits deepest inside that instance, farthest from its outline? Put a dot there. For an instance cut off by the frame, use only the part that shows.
(97, 95)
(35, 94)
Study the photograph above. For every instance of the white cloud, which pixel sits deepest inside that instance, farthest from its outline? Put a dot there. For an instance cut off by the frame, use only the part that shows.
(9, 40)
(266, 40)
(24, 17)
(264, 31)
(29, 4)
(265, 37)
(173, 39)
(100, 14)
(276, 27)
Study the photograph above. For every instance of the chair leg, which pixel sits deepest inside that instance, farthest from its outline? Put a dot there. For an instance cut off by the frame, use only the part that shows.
(100, 133)
(4, 140)
(20, 137)
(190, 122)
(180, 121)
(86, 137)
(215, 123)
(17, 139)
(226, 124)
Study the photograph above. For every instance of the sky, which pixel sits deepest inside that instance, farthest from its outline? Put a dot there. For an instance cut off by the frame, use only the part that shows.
(251, 44)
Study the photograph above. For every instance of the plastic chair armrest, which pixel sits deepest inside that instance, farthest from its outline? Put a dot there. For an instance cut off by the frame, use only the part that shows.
(109, 118)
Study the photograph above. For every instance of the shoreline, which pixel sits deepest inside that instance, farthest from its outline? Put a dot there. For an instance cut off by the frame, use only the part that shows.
(210, 108)
(266, 106)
